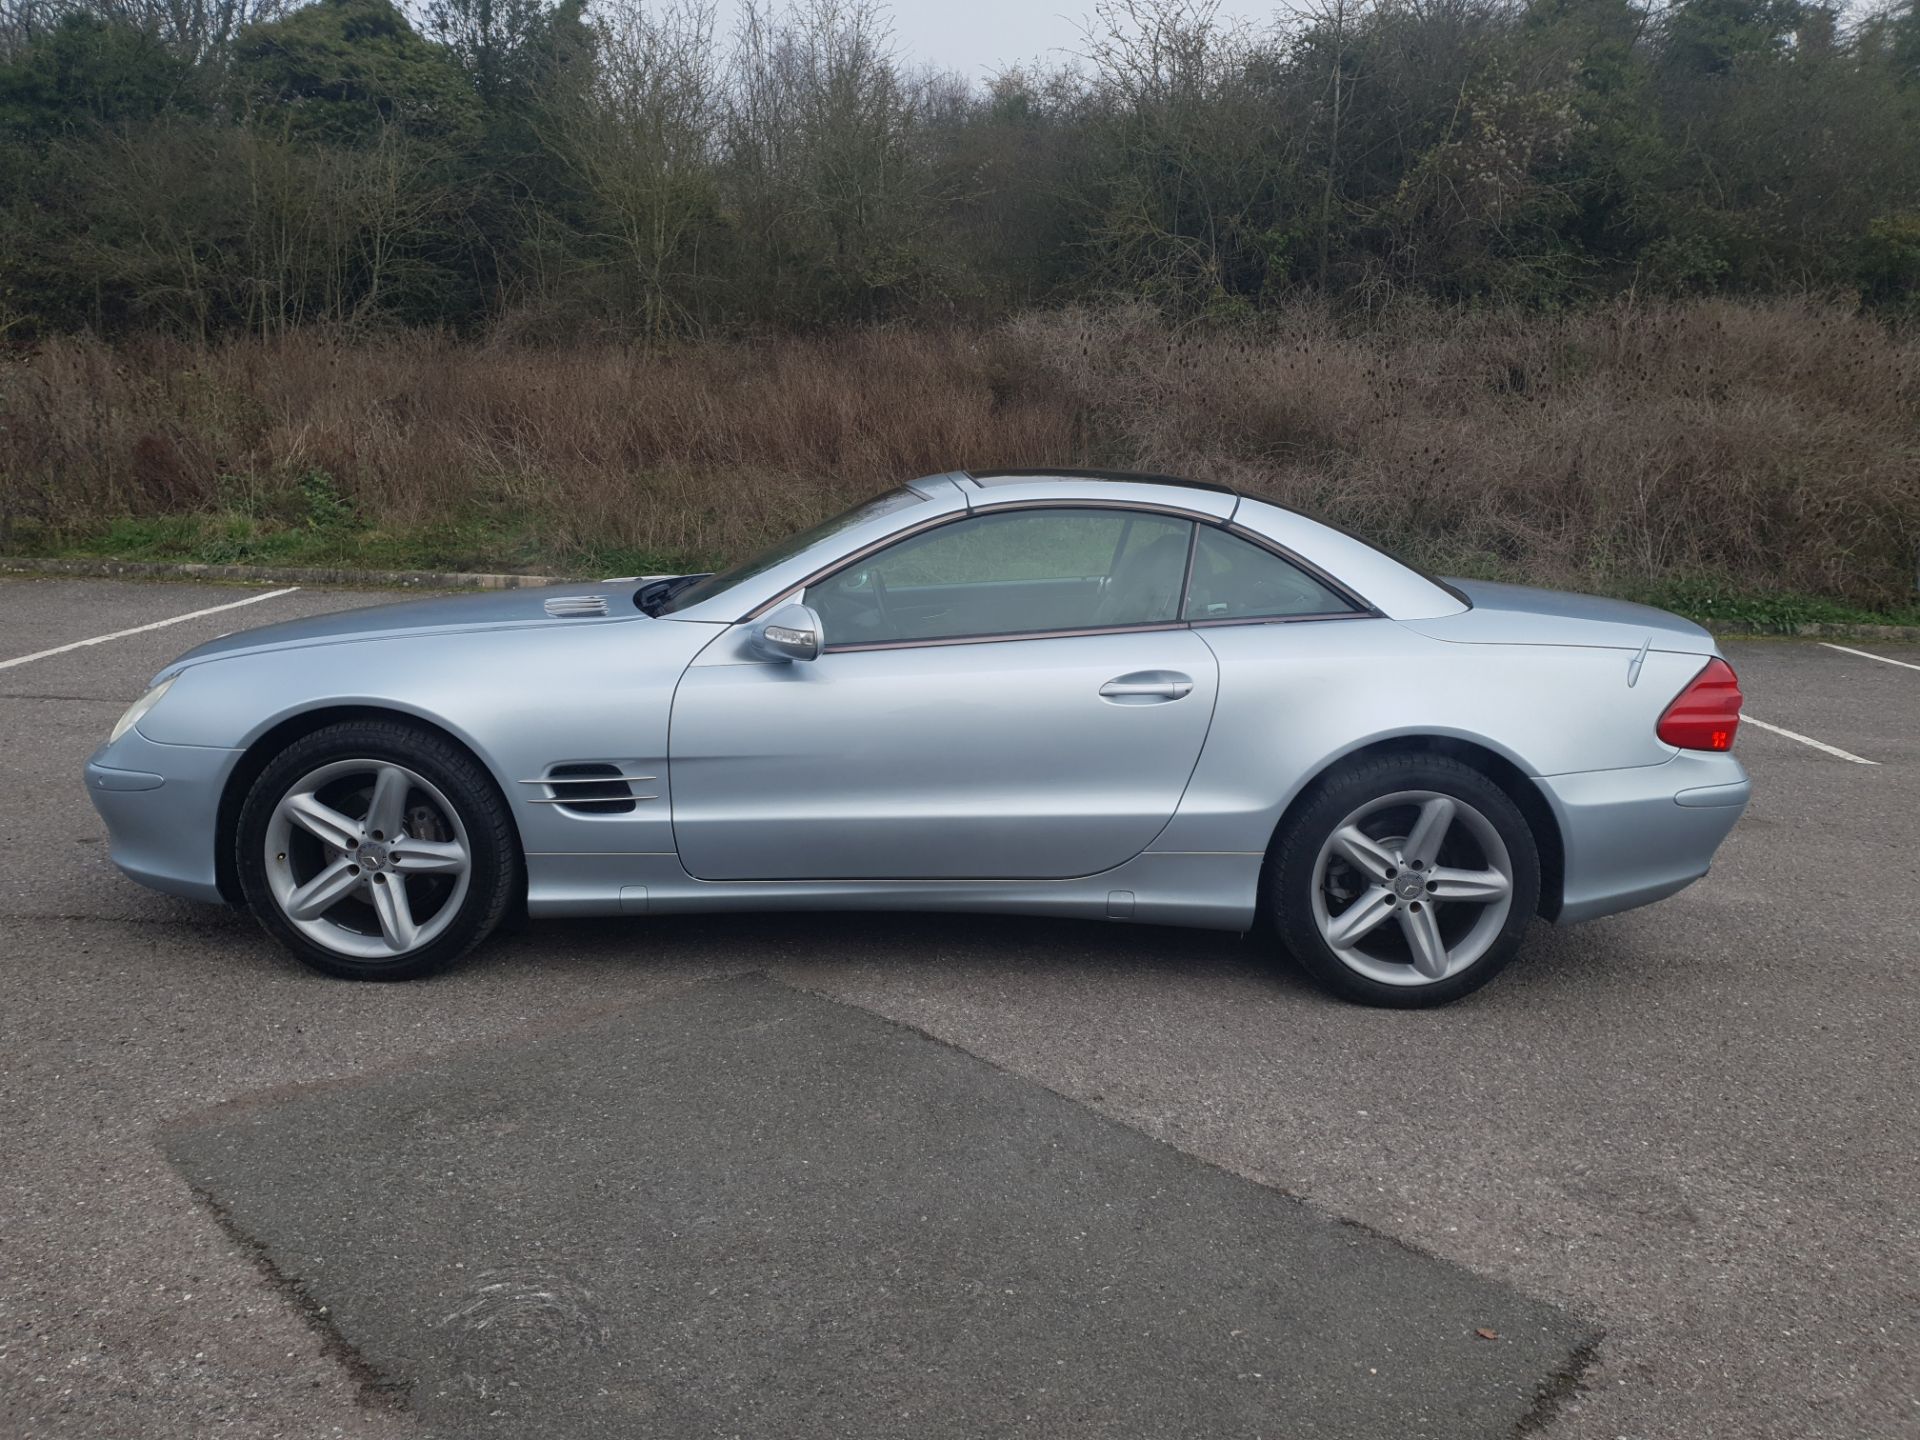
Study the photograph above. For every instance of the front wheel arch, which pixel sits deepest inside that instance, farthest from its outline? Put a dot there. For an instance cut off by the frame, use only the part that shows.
(293, 729)
(1519, 787)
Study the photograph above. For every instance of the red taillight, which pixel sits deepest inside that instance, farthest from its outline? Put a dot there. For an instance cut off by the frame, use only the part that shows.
(1707, 713)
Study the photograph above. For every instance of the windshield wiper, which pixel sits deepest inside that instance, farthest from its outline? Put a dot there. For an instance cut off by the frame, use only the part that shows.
(656, 593)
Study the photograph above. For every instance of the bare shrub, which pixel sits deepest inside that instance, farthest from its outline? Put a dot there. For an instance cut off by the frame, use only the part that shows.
(1775, 445)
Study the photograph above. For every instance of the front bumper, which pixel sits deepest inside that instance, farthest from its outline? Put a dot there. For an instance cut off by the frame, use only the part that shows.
(161, 804)
(1635, 836)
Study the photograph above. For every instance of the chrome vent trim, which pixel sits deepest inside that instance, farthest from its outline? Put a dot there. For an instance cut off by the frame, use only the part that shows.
(590, 787)
(563, 607)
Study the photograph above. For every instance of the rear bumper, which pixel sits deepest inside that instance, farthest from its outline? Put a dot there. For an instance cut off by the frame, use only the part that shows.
(161, 804)
(1635, 836)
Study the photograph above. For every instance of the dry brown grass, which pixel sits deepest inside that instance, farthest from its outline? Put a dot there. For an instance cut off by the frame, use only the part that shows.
(1774, 445)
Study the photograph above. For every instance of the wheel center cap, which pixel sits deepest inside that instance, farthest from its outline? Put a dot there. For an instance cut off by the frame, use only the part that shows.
(373, 856)
(1410, 889)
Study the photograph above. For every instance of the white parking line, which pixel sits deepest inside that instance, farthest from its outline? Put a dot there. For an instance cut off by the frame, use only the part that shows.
(142, 629)
(1807, 740)
(1869, 655)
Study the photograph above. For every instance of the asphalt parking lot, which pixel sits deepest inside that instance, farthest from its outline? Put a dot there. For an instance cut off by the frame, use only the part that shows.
(1678, 1148)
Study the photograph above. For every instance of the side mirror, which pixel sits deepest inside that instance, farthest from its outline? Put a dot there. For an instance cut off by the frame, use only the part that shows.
(790, 633)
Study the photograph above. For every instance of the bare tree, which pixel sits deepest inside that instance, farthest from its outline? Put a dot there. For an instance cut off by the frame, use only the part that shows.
(1330, 24)
(639, 138)
(1193, 150)
(24, 21)
(819, 138)
(198, 30)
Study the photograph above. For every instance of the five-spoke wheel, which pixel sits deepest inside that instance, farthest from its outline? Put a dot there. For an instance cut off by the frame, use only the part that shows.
(367, 857)
(1405, 880)
(1413, 887)
(376, 850)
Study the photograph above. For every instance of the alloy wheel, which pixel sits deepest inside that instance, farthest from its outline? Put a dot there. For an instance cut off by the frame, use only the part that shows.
(1412, 888)
(367, 858)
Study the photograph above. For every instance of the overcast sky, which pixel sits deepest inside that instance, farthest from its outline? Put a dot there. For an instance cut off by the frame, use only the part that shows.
(978, 37)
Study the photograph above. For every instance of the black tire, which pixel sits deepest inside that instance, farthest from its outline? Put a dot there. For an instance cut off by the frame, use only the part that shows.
(494, 866)
(1288, 891)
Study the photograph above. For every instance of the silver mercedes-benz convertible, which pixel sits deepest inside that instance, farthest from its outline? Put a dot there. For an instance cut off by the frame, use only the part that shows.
(1108, 696)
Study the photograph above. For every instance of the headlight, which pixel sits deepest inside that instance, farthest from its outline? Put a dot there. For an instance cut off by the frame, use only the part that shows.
(140, 707)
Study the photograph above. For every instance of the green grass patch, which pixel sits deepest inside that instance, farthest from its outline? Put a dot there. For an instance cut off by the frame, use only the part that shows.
(231, 538)
(1715, 603)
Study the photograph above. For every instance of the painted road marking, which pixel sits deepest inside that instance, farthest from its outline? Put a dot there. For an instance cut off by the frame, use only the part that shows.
(1869, 655)
(1808, 740)
(142, 629)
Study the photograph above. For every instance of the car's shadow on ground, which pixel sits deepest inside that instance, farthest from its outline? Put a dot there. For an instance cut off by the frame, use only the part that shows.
(842, 950)
(839, 949)
(981, 942)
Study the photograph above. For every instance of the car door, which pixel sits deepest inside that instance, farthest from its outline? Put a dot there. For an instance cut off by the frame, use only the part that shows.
(1011, 695)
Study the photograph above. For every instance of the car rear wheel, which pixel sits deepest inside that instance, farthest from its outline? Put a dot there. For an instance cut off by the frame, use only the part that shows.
(376, 850)
(1404, 881)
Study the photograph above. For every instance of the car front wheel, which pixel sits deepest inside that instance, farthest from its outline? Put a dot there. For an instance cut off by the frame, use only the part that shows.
(376, 850)
(1405, 881)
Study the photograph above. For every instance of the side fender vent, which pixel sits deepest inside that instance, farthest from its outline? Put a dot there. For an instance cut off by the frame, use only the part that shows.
(591, 787)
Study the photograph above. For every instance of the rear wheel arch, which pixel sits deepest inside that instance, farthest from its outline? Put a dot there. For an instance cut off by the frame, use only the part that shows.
(1518, 785)
(294, 728)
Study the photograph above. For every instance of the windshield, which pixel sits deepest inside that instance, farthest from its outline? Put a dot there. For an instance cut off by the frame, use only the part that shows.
(766, 560)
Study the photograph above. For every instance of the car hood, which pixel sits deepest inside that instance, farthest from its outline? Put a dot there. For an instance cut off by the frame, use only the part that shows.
(438, 614)
(1525, 615)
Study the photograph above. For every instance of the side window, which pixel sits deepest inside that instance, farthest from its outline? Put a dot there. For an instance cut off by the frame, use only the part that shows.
(1018, 572)
(1234, 579)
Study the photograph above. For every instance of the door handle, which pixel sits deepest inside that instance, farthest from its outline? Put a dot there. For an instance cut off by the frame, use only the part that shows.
(1147, 687)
